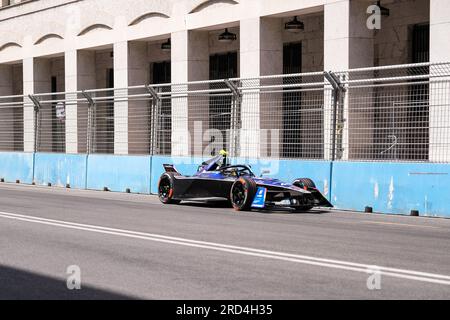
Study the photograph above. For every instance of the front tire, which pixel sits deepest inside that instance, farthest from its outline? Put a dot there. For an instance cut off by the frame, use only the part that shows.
(242, 194)
(166, 188)
(304, 183)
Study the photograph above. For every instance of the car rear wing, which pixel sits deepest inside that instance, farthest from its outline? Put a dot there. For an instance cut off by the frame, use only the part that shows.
(170, 168)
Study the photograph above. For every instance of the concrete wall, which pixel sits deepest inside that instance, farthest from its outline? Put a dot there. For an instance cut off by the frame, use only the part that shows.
(6, 113)
(118, 173)
(312, 41)
(17, 166)
(11, 117)
(60, 170)
(393, 43)
(394, 188)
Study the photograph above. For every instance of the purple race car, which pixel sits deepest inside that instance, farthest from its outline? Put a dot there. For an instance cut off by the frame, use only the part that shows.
(216, 179)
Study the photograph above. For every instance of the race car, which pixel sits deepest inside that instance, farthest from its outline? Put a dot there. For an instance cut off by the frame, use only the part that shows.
(217, 179)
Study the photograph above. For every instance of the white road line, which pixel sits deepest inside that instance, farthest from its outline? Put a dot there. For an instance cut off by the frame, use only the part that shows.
(395, 224)
(328, 263)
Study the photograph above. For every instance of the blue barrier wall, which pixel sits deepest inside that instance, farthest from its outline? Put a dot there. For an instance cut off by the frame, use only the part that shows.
(60, 169)
(118, 173)
(392, 187)
(286, 170)
(17, 166)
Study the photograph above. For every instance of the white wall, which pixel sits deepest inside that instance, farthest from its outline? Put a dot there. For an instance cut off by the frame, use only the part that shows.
(335, 38)
(440, 91)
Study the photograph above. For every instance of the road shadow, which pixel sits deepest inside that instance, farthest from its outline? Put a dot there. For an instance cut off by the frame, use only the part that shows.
(227, 205)
(207, 204)
(282, 211)
(18, 284)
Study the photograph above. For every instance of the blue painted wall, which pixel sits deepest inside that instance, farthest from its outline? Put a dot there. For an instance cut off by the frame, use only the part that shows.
(16, 166)
(392, 187)
(60, 169)
(119, 173)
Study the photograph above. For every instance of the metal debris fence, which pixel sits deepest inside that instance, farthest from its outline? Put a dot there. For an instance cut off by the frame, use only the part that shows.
(392, 113)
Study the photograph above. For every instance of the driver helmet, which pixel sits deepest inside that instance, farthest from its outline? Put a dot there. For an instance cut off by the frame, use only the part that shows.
(224, 153)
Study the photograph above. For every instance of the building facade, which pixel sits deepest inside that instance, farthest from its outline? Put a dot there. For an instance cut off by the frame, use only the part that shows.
(67, 46)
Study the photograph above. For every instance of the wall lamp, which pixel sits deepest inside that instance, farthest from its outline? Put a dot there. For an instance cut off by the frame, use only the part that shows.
(227, 36)
(294, 25)
(166, 46)
(384, 11)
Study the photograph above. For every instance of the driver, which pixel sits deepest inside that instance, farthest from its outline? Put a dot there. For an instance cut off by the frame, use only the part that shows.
(224, 154)
(225, 163)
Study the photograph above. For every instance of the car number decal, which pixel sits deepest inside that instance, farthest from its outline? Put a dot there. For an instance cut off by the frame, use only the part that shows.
(260, 198)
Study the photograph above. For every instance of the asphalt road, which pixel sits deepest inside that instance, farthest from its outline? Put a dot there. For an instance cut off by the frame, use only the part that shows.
(131, 246)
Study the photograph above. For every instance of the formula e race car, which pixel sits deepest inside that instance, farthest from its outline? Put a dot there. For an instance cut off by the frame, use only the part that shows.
(216, 178)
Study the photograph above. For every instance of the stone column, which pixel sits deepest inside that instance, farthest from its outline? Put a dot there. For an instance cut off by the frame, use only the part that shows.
(348, 44)
(439, 88)
(138, 111)
(190, 62)
(180, 70)
(121, 107)
(261, 51)
(28, 113)
(71, 83)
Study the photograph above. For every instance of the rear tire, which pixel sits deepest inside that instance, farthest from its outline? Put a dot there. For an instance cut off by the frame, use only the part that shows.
(166, 188)
(242, 194)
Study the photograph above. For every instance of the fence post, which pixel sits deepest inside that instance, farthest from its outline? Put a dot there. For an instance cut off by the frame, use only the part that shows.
(37, 109)
(235, 110)
(338, 90)
(154, 122)
(89, 134)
